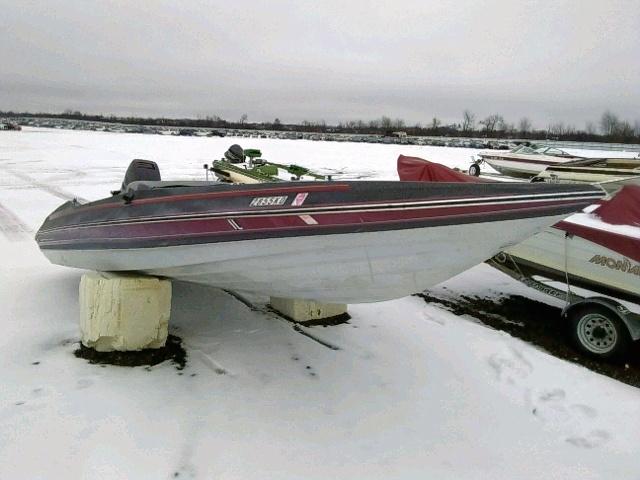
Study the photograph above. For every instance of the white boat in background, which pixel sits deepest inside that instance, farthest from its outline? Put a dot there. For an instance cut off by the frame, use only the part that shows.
(522, 161)
(593, 170)
(593, 261)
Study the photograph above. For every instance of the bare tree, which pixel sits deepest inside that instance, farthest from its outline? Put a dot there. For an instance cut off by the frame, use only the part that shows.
(556, 129)
(435, 123)
(491, 122)
(524, 126)
(243, 119)
(503, 126)
(398, 123)
(624, 130)
(386, 122)
(468, 121)
(609, 123)
(590, 128)
(508, 128)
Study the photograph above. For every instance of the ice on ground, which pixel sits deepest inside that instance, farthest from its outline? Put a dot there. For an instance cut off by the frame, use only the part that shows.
(407, 391)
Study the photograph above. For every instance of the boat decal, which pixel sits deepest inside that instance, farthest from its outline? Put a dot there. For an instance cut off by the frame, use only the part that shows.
(268, 201)
(308, 219)
(623, 265)
(233, 223)
(299, 199)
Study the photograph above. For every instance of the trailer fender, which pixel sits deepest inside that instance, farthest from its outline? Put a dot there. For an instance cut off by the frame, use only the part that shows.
(628, 318)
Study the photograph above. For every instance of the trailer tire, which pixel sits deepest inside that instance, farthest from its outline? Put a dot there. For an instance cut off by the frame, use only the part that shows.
(599, 332)
(474, 170)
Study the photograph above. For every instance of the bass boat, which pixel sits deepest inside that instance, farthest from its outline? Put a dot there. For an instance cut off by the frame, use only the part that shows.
(330, 241)
(245, 166)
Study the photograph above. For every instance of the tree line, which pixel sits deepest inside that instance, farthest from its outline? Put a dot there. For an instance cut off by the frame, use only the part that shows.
(609, 128)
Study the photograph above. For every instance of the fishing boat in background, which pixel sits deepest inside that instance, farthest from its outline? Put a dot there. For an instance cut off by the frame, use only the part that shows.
(330, 241)
(246, 166)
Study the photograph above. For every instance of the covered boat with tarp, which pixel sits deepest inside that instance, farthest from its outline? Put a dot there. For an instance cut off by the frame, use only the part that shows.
(591, 260)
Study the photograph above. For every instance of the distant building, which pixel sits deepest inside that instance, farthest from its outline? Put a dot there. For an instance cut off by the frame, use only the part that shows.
(398, 134)
(10, 126)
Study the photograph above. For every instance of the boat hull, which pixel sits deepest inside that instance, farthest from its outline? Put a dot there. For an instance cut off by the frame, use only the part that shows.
(521, 168)
(346, 242)
(348, 268)
(557, 256)
(589, 175)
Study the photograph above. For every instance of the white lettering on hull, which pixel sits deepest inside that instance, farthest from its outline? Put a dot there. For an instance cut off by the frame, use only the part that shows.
(268, 201)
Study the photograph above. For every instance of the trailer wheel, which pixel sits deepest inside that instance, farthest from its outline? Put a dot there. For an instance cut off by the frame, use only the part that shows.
(474, 170)
(599, 332)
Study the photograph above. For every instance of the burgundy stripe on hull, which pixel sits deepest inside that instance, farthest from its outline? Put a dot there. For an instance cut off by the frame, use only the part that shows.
(206, 230)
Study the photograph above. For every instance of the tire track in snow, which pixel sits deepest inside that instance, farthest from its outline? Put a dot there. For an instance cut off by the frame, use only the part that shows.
(55, 191)
(11, 226)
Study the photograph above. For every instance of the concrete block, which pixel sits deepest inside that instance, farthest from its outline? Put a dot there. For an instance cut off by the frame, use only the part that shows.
(124, 312)
(307, 310)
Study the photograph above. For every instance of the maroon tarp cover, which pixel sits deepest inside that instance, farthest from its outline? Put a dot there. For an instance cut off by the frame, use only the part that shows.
(414, 169)
(622, 209)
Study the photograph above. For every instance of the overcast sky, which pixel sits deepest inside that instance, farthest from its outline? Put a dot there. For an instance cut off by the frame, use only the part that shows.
(333, 60)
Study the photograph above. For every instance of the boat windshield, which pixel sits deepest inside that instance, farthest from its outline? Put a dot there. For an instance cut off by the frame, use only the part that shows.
(524, 150)
(551, 151)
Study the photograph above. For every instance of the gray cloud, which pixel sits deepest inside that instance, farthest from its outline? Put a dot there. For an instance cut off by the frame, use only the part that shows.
(552, 61)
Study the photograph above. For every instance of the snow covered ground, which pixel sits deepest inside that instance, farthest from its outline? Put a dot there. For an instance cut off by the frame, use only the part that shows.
(404, 390)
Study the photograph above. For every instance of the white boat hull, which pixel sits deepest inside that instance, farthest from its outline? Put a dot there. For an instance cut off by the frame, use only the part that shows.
(580, 258)
(341, 268)
(521, 168)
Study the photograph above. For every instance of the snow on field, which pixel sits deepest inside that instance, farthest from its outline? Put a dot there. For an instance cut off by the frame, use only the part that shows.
(406, 391)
